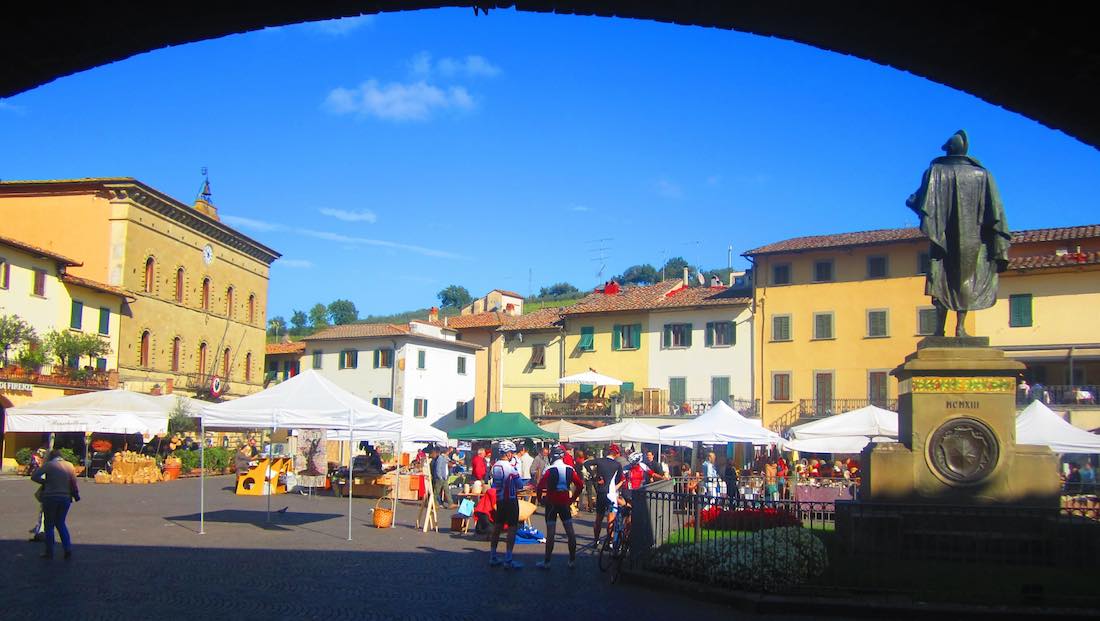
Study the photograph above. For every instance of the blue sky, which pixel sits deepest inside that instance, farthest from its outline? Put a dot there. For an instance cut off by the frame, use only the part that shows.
(388, 157)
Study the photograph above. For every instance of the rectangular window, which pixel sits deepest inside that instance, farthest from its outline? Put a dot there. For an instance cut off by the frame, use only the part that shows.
(5, 273)
(721, 334)
(720, 389)
(1019, 310)
(876, 387)
(924, 263)
(40, 283)
(100, 364)
(781, 327)
(383, 358)
(385, 403)
(823, 393)
(317, 358)
(781, 274)
(76, 315)
(677, 390)
(421, 359)
(877, 267)
(538, 357)
(926, 321)
(823, 270)
(349, 359)
(823, 326)
(588, 339)
(462, 365)
(676, 336)
(104, 321)
(626, 336)
(781, 386)
(462, 410)
(420, 408)
(878, 323)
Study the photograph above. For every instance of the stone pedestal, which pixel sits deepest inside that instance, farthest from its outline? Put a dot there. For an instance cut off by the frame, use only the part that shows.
(957, 434)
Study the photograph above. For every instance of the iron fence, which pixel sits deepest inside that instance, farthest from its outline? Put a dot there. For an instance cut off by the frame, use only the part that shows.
(896, 552)
(812, 408)
(1074, 394)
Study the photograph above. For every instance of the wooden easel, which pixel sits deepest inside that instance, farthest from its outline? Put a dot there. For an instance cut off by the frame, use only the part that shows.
(428, 516)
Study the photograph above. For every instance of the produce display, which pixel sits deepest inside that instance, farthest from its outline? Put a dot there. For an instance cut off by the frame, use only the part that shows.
(129, 467)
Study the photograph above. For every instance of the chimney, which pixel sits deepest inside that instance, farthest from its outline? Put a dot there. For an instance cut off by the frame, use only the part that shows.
(433, 314)
(686, 269)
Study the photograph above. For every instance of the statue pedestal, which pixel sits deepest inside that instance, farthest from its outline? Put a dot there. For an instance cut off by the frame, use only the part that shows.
(957, 434)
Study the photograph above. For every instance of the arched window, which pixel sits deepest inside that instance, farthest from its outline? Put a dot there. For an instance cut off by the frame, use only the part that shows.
(225, 363)
(179, 285)
(229, 302)
(150, 267)
(202, 358)
(248, 367)
(206, 294)
(144, 354)
(252, 308)
(176, 354)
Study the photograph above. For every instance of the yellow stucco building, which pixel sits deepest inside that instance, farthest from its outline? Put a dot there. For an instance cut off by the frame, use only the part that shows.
(835, 313)
(200, 287)
(533, 361)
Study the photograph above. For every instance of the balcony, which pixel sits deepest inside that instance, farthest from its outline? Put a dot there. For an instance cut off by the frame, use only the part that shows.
(642, 404)
(64, 377)
(1069, 394)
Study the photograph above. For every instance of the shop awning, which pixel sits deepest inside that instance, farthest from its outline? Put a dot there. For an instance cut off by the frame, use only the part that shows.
(502, 426)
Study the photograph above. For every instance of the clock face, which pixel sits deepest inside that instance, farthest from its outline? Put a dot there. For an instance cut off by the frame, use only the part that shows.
(207, 254)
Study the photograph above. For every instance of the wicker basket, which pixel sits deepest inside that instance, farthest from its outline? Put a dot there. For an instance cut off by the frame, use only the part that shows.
(383, 517)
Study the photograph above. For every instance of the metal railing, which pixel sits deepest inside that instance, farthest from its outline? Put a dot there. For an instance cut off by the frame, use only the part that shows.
(56, 375)
(813, 408)
(896, 552)
(634, 406)
(1069, 394)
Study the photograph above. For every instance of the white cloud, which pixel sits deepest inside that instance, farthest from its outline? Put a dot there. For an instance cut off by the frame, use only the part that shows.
(10, 107)
(471, 66)
(295, 263)
(579, 208)
(363, 215)
(341, 27)
(365, 241)
(668, 189)
(396, 101)
(241, 222)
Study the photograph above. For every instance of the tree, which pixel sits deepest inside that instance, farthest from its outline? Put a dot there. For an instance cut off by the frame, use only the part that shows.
(299, 322)
(342, 312)
(69, 347)
(318, 316)
(13, 332)
(644, 274)
(454, 296)
(558, 290)
(674, 267)
(276, 326)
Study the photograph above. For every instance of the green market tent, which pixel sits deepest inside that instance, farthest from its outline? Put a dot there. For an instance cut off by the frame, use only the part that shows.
(501, 425)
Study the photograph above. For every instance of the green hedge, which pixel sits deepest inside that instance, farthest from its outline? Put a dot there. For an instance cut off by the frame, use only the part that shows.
(217, 458)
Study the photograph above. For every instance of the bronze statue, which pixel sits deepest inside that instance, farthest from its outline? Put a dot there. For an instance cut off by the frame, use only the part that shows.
(961, 213)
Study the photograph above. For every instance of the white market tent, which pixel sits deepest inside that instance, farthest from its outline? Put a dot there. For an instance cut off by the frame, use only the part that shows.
(590, 377)
(626, 431)
(1037, 424)
(565, 429)
(106, 411)
(867, 421)
(721, 424)
(409, 430)
(835, 444)
(306, 401)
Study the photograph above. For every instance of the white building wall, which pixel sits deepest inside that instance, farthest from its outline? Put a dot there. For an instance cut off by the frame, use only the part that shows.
(41, 312)
(364, 381)
(699, 363)
(439, 381)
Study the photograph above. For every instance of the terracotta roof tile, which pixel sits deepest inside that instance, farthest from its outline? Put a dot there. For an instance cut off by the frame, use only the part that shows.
(542, 319)
(1052, 261)
(293, 347)
(37, 250)
(98, 286)
(510, 293)
(359, 330)
(1057, 234)
(667, 294)
(479, 320)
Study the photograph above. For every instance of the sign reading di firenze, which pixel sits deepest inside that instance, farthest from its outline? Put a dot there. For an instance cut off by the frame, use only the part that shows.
(15, 387)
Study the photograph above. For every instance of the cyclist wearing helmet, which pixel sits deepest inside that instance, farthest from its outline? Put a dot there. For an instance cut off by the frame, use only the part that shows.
(608, 475)
(505, 480)
(555, 484)
(636, 474)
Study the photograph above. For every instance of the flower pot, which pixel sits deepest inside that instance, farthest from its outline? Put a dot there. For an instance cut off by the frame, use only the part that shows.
(171, 473)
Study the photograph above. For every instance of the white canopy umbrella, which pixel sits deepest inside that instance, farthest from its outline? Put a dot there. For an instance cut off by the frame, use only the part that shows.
(836, 444)
(306, 401)
(867, 421)
(90, 411)
(721, 424)
(565, 429)
(590, 377)
(626, 431)
(1037, 424)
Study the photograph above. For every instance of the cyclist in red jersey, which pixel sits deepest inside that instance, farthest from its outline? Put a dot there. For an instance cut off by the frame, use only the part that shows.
(555, 484)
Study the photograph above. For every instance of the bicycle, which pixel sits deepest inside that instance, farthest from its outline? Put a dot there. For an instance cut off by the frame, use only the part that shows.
(616, 545)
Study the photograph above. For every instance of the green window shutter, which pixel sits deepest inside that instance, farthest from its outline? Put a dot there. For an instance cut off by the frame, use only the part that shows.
(586, 391)
(77, 316)
(616, 338)
(421, 359)
(677, 390)
(587, 342)
(733, 332)
(637, 330)
(343, 357)
(104, 321)
(355, 359)
(1019, 310)
(377, 358)
(627, 389)
(666, 340)
(688, 329)
(708, 336)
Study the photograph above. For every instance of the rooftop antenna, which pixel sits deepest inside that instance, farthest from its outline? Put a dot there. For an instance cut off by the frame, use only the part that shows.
(599, 251)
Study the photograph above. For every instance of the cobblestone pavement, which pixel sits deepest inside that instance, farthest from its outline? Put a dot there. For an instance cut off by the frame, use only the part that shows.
(138, 555)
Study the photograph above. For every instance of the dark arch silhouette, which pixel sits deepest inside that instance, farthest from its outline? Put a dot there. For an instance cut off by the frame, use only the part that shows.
(1041, 60)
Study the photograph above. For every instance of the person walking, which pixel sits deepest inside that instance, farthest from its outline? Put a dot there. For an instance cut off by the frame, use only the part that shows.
(506, 483)
(38, 533)
(441, 471)
(555, 484)
(525, 461)
(58, 480)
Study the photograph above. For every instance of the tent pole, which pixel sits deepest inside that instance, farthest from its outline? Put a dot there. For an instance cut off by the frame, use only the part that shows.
(351, 475)
(397, 451)
(267, 475)
(202, 477)
(87, 462)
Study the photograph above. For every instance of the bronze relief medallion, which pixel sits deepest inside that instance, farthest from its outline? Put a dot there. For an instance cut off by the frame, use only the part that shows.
(963, 451)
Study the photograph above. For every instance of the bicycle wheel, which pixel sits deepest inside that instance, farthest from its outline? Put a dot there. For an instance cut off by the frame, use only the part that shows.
(617, 561)
(607, 552)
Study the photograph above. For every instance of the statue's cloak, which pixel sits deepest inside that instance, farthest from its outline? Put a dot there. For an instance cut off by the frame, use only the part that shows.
(961, 213)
